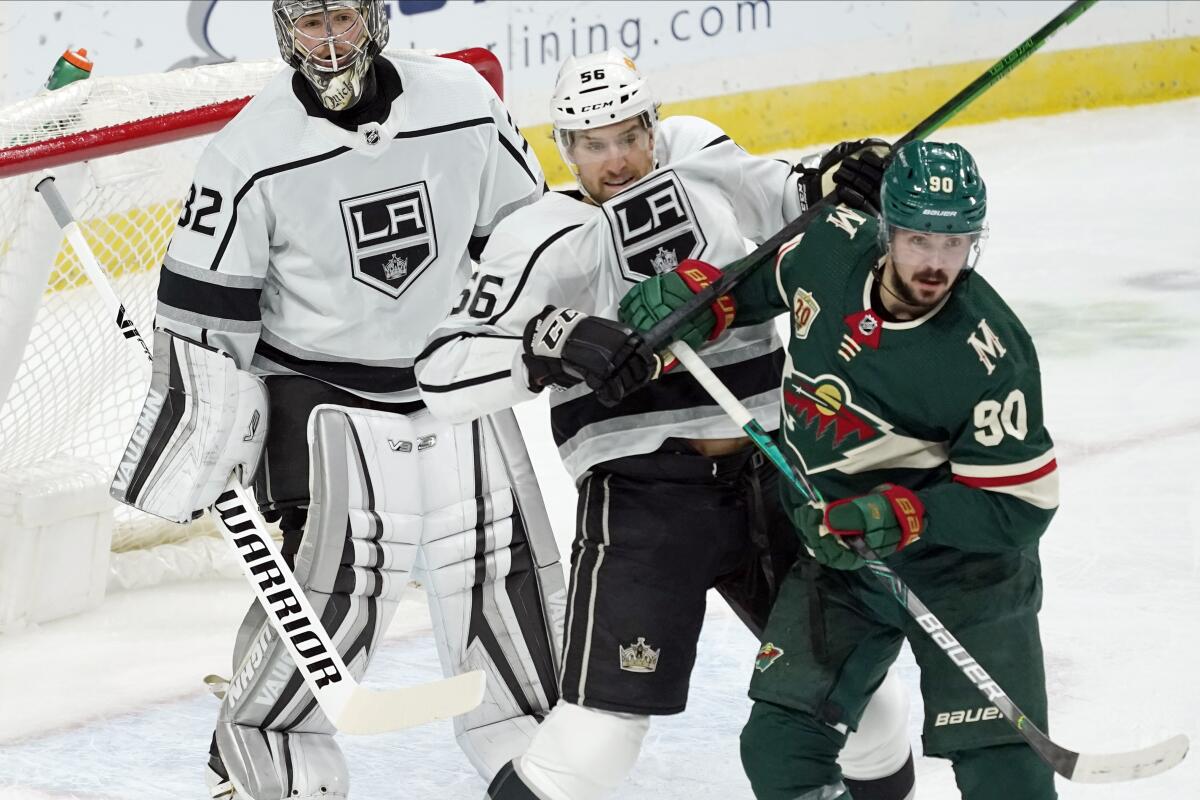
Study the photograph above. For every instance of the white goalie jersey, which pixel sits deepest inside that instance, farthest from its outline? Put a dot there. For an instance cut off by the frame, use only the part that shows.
(705, 200)
(308, 248)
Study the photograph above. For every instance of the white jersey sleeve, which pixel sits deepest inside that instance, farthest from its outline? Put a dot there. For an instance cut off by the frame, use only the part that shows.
(513, 177)
(538, 256)
(216, 265)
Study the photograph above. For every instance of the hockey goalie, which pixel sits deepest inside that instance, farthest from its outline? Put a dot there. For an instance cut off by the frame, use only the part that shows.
(328, 228)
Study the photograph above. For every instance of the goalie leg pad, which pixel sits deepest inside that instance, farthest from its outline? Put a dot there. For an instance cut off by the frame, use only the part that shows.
(272, 765)
(495, 585)
(364, 526)
(203, 418)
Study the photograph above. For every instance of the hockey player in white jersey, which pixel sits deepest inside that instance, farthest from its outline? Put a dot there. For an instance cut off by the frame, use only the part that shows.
(328, 230)
(672, 498)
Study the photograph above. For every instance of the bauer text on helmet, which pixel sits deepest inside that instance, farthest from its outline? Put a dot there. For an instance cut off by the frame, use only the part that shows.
(331, 43)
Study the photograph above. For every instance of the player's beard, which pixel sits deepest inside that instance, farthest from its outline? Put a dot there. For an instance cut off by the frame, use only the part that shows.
(908, 293)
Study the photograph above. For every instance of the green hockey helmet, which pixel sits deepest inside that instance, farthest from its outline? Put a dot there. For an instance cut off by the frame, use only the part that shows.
(933, 187)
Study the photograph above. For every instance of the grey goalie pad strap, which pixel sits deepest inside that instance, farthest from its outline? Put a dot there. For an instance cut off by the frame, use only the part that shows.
(363, 529)
(495, 586)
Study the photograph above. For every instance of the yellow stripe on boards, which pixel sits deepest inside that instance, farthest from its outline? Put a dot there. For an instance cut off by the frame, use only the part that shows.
(767, 120)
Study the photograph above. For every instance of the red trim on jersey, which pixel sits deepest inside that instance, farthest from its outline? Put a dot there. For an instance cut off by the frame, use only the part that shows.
(1009, 480)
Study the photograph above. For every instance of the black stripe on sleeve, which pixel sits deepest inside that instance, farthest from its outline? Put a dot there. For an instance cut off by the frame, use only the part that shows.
(450, 387)
(445, 340)
(715, 142)
(346, 374)
(541, 248)
(208, 299)
(475, 246)
(512, 151)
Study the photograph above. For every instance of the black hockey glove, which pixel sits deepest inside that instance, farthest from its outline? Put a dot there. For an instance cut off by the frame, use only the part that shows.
(854, 170)
(564, 346)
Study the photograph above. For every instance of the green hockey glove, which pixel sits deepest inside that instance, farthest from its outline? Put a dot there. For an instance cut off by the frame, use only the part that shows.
(654, 298)
(825, 548)
(889, 519)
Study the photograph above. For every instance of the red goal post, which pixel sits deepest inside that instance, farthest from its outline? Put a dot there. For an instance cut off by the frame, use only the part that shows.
(123, 149)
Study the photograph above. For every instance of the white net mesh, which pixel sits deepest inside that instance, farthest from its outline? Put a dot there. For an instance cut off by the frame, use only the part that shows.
(69, 384)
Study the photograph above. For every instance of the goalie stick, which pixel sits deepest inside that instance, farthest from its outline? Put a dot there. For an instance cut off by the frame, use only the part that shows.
(1078, 767)
(351, 707)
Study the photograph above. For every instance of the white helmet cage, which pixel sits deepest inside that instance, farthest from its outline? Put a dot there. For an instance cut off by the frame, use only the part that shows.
(339, 79)
(597, 90)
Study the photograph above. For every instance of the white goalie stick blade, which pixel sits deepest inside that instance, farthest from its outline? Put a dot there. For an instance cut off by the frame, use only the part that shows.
(1116, 767)
(350, 707)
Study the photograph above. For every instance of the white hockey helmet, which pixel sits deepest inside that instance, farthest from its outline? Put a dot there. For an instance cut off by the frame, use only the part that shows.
(597, 90)
(332, 44)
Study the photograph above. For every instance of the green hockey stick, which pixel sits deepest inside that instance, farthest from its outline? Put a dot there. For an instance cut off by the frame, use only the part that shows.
(1078, 767)
(661, 334)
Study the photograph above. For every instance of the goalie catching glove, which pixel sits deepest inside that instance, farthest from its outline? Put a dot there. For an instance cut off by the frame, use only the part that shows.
(563, 347)
(889, 520)
(852, 170)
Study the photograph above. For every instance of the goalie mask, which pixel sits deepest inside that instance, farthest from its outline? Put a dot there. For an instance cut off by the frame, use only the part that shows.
(332, 44)
(600, 91)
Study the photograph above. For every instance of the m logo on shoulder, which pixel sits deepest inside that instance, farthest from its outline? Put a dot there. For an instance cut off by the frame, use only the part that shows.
(847, 219)
(653, 227)
(390, 236)
(989, 348)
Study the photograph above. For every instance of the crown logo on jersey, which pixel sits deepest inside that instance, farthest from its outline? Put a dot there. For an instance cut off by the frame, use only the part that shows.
(639, 656)
(664, 260)
(395, 267)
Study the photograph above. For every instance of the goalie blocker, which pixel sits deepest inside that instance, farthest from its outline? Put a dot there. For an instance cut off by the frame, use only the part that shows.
(389, 494)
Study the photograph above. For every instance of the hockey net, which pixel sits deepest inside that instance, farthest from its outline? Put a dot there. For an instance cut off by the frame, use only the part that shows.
(123, 150)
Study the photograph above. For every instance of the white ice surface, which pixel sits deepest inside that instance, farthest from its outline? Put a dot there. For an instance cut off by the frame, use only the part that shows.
(1094, 231)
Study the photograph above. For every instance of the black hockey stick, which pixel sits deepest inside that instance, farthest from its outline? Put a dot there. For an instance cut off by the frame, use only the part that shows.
(1079, 767)
(350, 706)
(660, 335)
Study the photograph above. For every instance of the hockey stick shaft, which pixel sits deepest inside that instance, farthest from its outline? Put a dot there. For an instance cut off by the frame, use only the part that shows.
(1068, 763)
(83, 251)
(350, 707)
(662, 333)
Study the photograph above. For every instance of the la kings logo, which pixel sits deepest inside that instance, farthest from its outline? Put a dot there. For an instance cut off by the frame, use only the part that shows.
(391, 237)
(653, 227)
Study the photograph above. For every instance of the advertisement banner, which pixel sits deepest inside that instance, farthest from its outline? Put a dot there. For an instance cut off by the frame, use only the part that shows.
(692, 48)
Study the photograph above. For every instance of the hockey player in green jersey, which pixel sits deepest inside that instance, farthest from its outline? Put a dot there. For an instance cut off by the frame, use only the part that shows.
(912, 398)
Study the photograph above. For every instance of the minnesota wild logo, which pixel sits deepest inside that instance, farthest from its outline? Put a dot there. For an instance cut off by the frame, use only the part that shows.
(767, 655)
(822, 425)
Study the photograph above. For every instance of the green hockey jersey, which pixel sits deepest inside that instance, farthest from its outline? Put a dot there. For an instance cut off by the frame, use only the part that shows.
(948, 405)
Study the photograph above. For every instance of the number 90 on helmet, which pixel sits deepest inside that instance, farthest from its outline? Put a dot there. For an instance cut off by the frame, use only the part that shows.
(596, 90)
(331, 43)
(935, 187)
